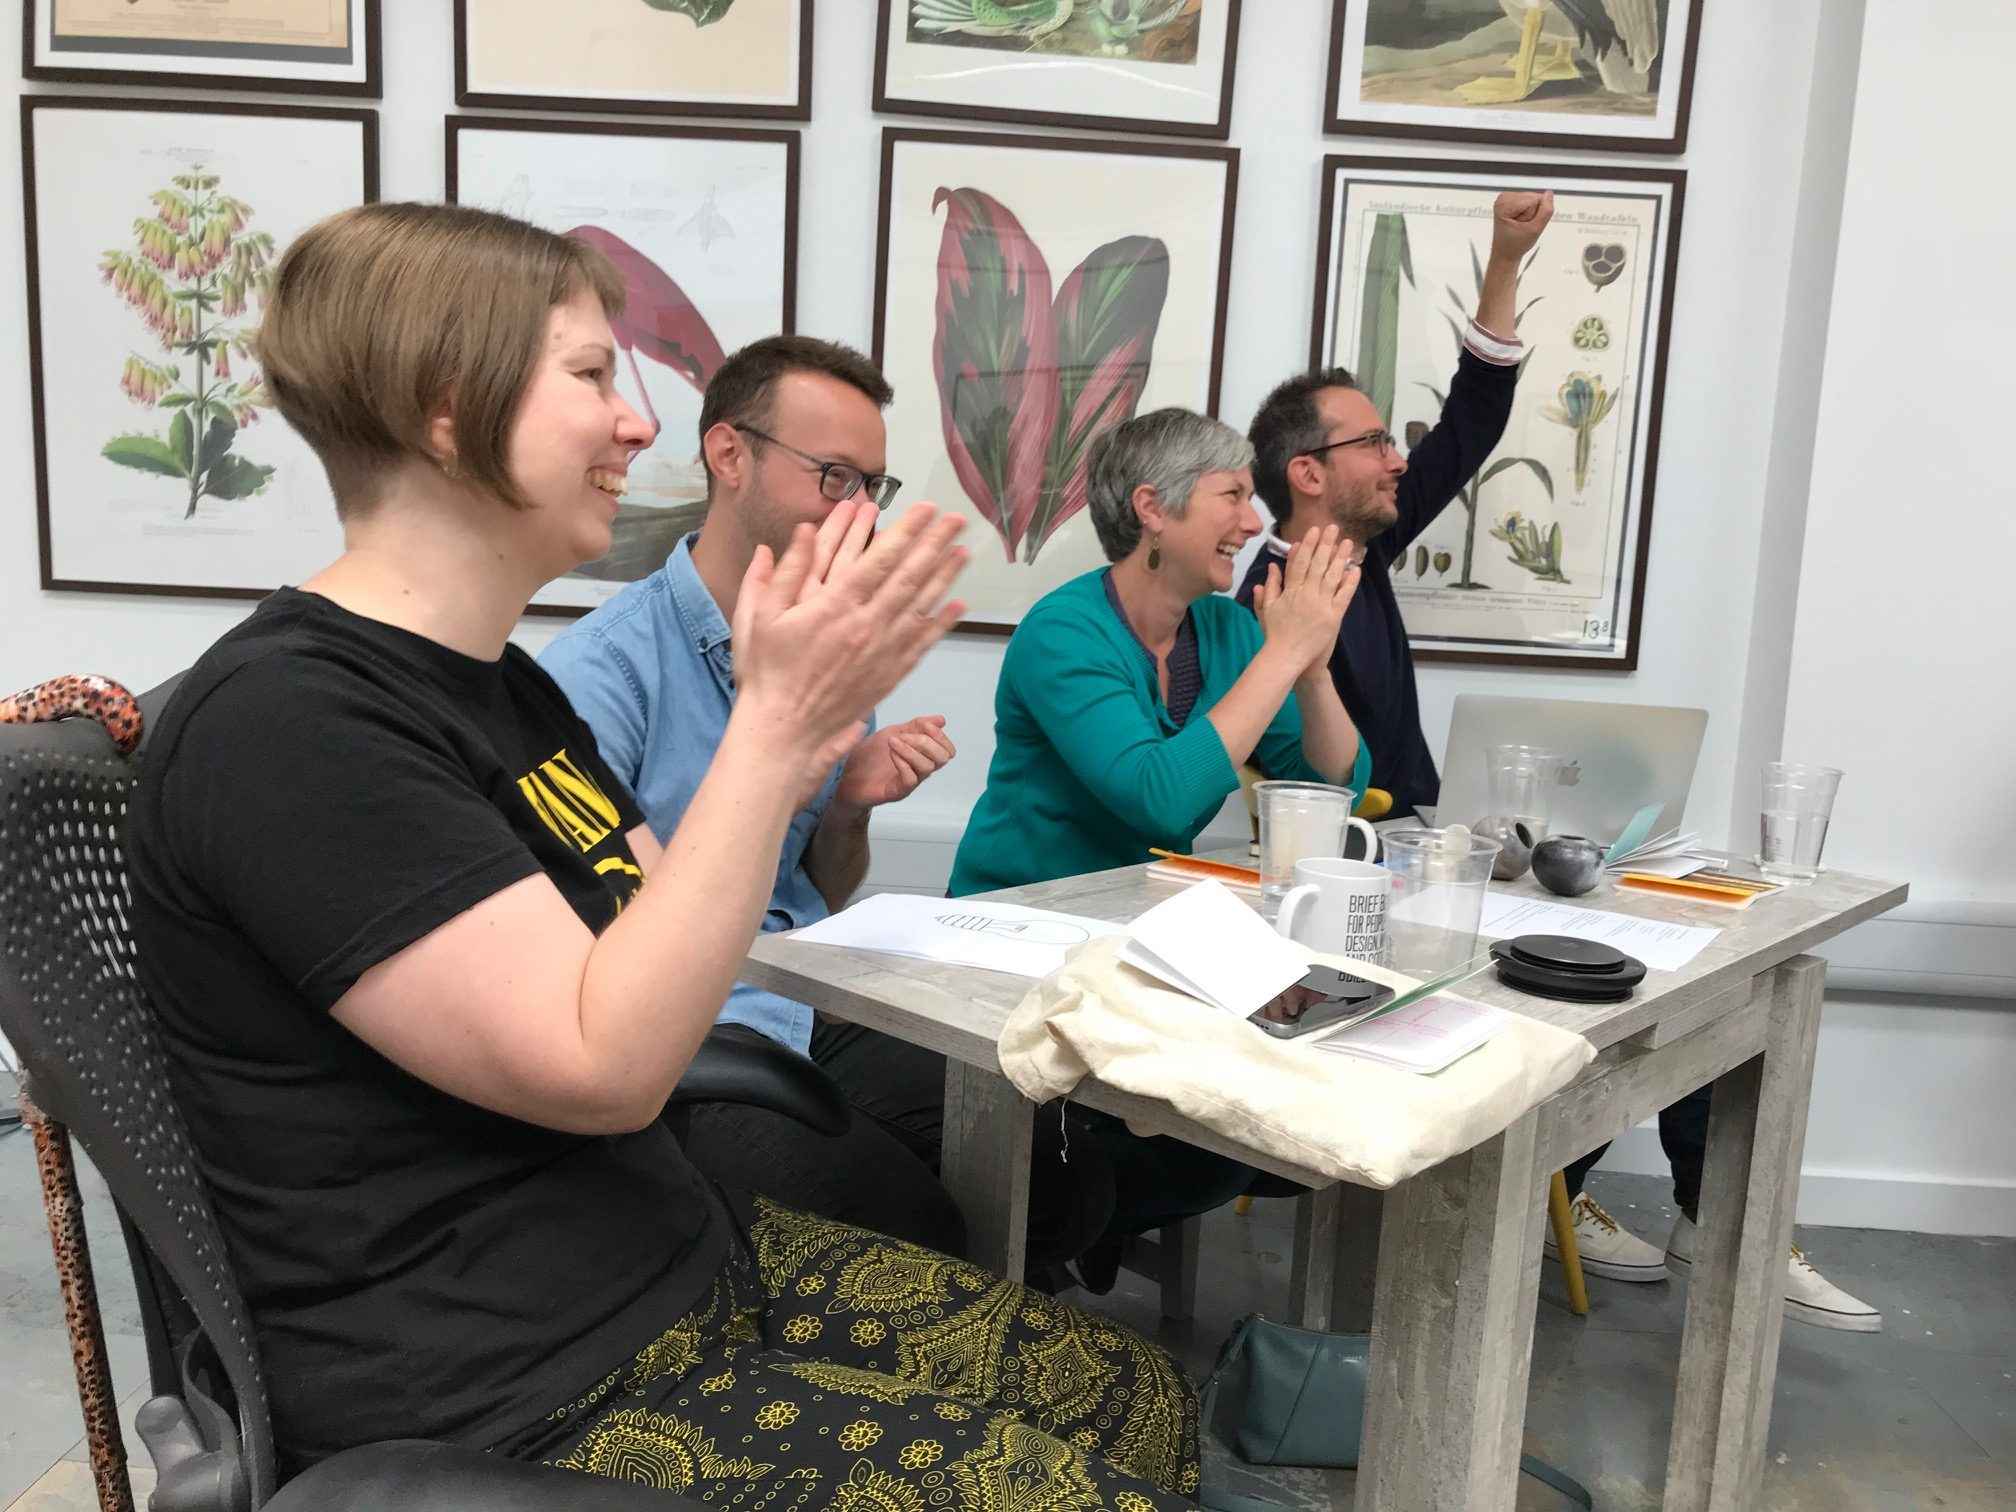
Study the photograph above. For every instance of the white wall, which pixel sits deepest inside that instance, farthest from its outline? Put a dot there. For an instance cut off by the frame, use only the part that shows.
(1885, 621)
(1749, 331)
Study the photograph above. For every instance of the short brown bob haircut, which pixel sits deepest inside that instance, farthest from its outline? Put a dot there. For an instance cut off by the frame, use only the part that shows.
(381, 313)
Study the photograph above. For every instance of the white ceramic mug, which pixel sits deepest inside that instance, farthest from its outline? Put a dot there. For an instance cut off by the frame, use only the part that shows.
(1337, 906)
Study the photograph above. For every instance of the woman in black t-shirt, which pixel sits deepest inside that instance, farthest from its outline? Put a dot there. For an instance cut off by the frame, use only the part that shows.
(426, 980)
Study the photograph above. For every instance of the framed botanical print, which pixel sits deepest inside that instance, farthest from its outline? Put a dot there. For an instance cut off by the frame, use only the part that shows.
(1541, 558)
(296, 46)
(153, 231)
(703, 226)
(1162, 66)
(747, 58)
(1030, 294)
(1617, 74)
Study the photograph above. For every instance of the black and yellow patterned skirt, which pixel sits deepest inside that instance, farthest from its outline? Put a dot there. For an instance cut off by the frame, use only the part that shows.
(832, 1367)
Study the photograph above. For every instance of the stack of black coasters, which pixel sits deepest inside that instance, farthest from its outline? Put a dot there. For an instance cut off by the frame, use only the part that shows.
(1567, 969)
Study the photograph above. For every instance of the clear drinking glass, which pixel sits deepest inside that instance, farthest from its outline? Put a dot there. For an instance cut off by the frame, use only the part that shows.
(1439, 879)
(1798, 802)
(1299, 820)
(1521, 780)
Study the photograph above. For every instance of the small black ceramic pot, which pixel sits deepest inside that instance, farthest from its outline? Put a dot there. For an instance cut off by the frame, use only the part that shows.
(1568, 865)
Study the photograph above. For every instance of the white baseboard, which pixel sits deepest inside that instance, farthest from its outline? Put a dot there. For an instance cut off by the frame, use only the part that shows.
(1851, 1199)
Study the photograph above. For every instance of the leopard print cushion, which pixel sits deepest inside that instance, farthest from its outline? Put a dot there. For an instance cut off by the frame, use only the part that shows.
(85, 697)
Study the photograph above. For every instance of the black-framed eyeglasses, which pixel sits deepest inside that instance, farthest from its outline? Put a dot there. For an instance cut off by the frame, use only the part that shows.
(838, 481)
(1378, 440)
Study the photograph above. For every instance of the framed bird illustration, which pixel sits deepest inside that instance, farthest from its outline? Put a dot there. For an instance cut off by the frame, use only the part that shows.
(1615, 74)
(1161, 66)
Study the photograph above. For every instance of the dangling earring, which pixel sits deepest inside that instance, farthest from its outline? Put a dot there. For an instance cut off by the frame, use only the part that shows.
(1155, 554)
(451, 468)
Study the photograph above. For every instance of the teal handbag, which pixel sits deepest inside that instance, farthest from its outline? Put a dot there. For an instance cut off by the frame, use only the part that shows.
(1294, 1396)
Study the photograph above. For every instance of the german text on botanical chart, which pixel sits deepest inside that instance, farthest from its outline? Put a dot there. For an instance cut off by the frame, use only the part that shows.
(1539, 552)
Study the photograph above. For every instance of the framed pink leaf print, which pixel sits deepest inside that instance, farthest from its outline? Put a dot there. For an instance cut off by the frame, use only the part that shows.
(1031, 294)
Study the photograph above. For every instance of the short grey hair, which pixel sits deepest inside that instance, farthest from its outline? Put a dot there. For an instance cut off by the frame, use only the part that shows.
(1169, 450)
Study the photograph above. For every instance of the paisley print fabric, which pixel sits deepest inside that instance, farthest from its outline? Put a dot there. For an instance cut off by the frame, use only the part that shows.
(832, 1367)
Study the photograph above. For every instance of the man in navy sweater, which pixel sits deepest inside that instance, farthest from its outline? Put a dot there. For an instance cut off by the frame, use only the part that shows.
(1323, 453)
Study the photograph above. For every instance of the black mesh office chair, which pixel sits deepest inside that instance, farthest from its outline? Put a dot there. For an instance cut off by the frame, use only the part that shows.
(92, 1066)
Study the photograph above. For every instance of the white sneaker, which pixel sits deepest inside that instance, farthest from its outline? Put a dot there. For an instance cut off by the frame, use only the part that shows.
(1608, 1250)
(1809, 1296)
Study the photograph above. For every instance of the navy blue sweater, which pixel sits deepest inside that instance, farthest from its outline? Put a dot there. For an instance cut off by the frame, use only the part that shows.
(1371, 664)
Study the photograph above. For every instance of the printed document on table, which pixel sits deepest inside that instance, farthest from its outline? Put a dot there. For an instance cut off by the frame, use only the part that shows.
(1661, 946)
(1423, 1037)
(1029, 942)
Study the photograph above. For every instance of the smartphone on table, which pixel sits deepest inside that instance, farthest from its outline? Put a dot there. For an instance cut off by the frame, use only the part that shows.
(1323, 999)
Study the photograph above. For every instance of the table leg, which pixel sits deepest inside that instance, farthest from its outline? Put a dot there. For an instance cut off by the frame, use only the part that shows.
(1736, 1293)
(1314, 1262)
(984, 1164)
(1336, 1255)
(1452, 1331)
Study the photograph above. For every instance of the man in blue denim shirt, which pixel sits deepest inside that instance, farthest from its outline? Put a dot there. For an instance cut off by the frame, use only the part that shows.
(789, 428)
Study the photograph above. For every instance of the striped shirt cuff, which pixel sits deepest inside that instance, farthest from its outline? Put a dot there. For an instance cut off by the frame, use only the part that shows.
(1491, 348)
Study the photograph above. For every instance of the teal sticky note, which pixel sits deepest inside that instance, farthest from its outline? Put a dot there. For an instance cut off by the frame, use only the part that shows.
(1634, 832)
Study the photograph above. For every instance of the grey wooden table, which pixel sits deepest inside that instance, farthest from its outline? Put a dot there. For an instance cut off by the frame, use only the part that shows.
(1458, 1247)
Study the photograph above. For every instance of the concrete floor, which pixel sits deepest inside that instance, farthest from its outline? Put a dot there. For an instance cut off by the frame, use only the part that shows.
(1920, 1416)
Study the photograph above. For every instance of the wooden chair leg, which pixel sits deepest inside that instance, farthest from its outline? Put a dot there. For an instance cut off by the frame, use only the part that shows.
(1564, 1241)
(1242, 1205)
(64, 1208)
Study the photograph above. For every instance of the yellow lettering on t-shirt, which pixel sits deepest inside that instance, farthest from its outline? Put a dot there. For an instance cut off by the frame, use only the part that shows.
(568, 802)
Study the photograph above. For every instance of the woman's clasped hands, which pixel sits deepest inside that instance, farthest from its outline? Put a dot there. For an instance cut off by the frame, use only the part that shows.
(1301, 608)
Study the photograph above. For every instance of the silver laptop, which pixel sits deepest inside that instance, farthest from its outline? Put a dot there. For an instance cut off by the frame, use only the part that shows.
(1625, 756)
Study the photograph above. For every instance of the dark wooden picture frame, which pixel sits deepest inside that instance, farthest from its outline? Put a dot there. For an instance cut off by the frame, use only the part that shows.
(455, 125)
(894, 137)
(371, 86)
(1528, 175)
(366, 120)
(1335, 123)
(798, 110)
(1218, 131)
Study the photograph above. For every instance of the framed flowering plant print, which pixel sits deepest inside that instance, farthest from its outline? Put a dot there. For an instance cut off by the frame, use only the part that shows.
(153, 232)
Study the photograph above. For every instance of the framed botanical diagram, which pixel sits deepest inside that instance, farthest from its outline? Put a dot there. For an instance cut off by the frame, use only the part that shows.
(1030, 294)
(153, 231)
(296, 46)
(748, 58)
(1160, 66)
(1617, 74)
(703, 225)
(1540, 560)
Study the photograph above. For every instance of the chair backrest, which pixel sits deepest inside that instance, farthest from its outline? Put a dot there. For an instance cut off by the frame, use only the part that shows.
(91, 1055)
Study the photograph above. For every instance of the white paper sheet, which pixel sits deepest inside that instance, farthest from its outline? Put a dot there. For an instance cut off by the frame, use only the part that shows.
(1029, 942)
(1661, 946)
(1205, 942)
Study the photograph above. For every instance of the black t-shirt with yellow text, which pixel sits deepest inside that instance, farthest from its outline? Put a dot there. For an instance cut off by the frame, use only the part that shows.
(322, 791)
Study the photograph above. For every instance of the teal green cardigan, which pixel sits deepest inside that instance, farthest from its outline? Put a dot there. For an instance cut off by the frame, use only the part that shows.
(1089, 771)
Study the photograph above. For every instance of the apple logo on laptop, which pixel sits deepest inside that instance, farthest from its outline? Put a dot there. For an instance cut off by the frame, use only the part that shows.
(1571, 774)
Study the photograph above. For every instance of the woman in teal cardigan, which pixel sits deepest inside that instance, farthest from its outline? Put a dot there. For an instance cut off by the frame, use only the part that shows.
(1128, 700)
(1130, 696)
